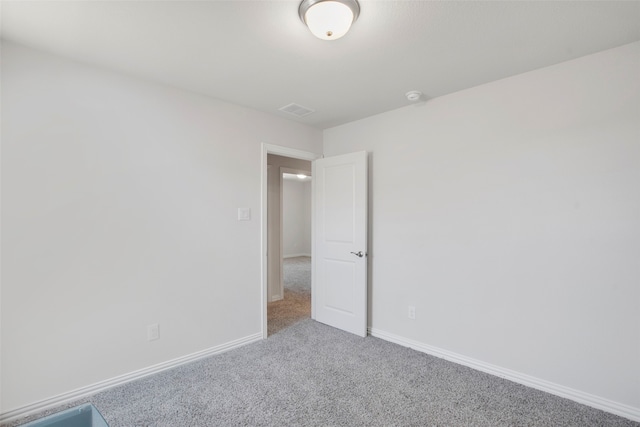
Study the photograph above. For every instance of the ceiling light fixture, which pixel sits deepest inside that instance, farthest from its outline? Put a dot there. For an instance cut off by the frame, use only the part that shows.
(329, 19)
(301, 176)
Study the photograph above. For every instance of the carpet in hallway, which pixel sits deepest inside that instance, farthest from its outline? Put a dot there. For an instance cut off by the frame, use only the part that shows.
(296, 304)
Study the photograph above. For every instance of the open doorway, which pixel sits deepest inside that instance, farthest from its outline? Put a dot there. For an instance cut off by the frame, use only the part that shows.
(287, 237)
(338, 238)
(293, 295)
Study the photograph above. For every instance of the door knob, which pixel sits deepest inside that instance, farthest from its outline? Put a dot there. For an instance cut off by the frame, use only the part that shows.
(359, 254)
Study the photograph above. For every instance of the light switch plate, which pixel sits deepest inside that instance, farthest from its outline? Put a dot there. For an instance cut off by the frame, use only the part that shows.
(244, 214)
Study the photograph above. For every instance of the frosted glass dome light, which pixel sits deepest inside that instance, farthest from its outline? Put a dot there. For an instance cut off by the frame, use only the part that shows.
(329, 19)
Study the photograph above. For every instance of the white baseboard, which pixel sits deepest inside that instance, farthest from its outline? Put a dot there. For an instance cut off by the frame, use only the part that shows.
(588, 399)
(295, 255)
(131, 376)
(276, 298)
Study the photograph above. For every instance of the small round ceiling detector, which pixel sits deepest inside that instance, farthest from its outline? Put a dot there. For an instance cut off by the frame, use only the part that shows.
(414, 95)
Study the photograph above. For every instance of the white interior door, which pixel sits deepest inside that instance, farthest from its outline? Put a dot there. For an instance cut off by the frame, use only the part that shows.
(340, 242)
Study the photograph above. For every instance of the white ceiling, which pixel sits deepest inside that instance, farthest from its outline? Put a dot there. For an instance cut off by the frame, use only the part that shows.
(258, 53)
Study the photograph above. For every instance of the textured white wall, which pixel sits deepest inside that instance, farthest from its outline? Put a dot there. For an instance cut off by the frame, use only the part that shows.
(296, 218)
(509, 216)
(119, 209)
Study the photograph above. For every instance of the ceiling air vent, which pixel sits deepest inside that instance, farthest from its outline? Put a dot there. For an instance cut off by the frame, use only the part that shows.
(297, 110)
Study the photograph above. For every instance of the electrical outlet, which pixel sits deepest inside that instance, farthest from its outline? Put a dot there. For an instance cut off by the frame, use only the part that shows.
(412, 312)
(153, 332)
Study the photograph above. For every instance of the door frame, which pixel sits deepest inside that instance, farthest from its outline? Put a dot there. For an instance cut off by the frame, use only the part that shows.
(286, 152)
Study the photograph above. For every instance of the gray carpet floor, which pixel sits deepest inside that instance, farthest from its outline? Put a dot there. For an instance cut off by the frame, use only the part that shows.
(309, 374)
(296, 274)
(296, 304)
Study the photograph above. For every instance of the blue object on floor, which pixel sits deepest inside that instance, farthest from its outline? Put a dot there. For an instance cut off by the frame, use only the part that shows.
(81, 416)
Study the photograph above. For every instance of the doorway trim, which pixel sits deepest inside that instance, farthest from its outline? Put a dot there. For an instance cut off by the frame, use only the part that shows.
(286, 152)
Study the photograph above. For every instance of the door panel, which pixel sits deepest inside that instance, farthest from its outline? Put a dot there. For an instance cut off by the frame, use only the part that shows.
(338, 204)
(340, 218)
(339, 292)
